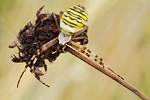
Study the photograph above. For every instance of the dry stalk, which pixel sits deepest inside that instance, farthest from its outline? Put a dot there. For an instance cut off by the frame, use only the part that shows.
(108, 73)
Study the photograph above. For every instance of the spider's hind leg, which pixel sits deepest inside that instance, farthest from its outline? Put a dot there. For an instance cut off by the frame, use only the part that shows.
(82, 38)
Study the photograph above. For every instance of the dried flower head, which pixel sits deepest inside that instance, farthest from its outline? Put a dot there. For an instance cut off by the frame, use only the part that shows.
(33, 36)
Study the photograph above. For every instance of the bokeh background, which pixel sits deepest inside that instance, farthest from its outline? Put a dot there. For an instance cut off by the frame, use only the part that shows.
(119, 31)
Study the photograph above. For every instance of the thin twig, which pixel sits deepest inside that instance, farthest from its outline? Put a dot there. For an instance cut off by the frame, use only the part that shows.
(108, 73)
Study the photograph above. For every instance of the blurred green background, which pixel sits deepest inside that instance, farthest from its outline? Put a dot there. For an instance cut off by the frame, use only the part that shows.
(119, 31)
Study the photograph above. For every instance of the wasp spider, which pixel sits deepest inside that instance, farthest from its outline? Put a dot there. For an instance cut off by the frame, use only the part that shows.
(72, 22)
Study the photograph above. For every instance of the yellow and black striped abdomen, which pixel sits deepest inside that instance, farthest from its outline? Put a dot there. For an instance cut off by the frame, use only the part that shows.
(73, 20)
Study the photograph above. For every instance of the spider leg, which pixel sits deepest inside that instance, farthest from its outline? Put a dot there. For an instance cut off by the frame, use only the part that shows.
(47, 45)
(58, 48)
(78, 33)
(81, 38)
(21, 75)
(61, 49)
(76, 37)
(32, 70)
(89, 53)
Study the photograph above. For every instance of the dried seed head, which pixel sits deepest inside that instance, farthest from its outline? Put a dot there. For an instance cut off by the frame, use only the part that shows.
(33, 36)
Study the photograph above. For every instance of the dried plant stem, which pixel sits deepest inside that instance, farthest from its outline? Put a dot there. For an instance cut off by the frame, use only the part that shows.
(108, 73)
